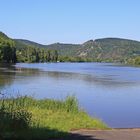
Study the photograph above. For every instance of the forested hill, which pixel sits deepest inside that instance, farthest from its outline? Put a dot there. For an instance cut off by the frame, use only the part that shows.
(12, 51)
(4, 36)
(7, 49)
(111, 49)
(105, 49)
(23, 43)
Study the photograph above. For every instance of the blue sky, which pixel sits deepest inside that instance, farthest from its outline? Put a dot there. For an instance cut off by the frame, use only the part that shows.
(70, 21)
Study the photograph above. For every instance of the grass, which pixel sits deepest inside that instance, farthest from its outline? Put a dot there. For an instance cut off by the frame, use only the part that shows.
(28, 118)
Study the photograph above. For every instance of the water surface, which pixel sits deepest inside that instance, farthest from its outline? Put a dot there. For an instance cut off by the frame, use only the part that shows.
(108, 91)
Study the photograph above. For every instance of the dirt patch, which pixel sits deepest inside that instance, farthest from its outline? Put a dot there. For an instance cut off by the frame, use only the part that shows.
(113, 134)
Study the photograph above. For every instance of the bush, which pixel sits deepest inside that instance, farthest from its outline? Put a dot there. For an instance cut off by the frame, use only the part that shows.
(71, 104)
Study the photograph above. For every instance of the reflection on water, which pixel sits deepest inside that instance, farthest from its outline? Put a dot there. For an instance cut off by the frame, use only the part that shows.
(89, 79)
(6, 78)
(107, 91)
(9, 73)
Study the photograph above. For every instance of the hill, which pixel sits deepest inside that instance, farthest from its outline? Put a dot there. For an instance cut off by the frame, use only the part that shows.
(111, 49)
(104, 49)
(14, 50)
(108, 49)
(4, 36)
(24, 43)
(7, 49)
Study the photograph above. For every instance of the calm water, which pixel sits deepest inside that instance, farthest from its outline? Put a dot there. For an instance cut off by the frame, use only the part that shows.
(107, 91)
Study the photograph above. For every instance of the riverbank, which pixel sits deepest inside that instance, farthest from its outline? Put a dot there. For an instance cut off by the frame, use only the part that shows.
(28, 118)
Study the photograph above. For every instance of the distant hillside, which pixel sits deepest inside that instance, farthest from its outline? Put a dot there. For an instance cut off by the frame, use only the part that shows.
(15, 50)
(108, 49)
(111, 48)
(65, 49)
(4, 39)
(105, 49)
(24, 42)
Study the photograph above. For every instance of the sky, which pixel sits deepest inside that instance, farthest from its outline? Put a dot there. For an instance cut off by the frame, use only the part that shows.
(70, 21)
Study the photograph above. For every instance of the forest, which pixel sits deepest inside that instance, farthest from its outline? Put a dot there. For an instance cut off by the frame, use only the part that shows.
(101, 50)
(9, 53)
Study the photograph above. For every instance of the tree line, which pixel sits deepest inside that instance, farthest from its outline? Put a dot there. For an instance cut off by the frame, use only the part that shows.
(32, 54)
(133, 61)
(9, 53)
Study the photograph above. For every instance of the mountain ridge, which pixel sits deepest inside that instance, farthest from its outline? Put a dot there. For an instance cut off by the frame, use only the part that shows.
(90, 40)
(103, 49)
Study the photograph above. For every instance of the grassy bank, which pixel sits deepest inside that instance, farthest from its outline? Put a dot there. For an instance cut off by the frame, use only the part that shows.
(28, 118)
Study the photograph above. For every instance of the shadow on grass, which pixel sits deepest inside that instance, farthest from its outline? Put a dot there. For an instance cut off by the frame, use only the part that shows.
(16, 121)
(45, 134)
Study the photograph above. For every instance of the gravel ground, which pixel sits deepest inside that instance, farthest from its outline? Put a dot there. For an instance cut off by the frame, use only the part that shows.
(113, 134)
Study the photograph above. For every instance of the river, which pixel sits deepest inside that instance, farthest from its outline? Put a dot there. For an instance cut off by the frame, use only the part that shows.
(107, 91)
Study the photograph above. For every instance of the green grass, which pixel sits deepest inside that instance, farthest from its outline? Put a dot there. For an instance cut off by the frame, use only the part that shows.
(28, 118)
